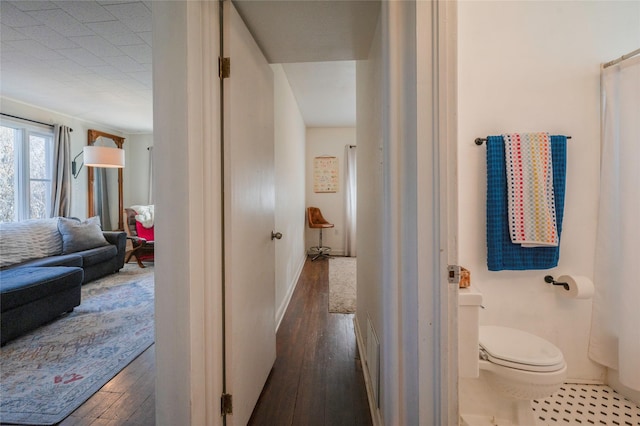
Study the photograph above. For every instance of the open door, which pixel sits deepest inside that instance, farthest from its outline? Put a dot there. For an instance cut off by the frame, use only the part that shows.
(249, 202)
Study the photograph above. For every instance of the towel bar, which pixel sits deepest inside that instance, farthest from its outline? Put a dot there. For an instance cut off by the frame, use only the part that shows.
(480, 141)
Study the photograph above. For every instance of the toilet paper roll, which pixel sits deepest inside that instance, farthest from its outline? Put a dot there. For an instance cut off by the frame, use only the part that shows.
(579, 287)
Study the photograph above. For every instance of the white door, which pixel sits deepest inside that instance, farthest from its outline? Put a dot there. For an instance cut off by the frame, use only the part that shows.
(249, 217)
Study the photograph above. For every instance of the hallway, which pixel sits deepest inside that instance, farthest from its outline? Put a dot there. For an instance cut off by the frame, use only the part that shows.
(317, 377)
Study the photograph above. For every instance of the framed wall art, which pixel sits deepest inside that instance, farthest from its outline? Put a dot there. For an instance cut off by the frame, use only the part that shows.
(325, 174)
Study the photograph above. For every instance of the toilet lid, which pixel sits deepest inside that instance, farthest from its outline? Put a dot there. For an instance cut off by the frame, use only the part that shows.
(519, 349)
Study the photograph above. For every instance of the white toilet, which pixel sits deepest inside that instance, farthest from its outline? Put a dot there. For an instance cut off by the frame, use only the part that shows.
(502, 369)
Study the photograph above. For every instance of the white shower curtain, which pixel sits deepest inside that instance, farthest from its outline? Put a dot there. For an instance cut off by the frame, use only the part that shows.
(615, 328)
(350, 201)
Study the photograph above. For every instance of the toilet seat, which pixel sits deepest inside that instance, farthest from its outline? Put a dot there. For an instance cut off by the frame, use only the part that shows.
(518, 349)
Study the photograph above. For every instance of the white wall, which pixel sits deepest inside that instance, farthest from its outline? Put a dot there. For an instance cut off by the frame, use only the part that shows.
(403, 128)
(370, 207)
(534, 66)
(188, 224)
(328, 141)
(289, 153)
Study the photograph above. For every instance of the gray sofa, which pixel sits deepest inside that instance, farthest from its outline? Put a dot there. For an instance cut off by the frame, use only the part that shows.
(44, 262)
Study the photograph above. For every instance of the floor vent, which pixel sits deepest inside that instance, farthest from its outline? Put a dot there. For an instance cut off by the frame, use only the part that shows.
(373, 361)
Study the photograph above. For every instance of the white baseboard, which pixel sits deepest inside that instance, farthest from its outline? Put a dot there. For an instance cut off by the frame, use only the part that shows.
(292, 286)
(376, 416)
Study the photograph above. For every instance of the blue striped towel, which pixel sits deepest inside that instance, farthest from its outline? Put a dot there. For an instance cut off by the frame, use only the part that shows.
(502, 254)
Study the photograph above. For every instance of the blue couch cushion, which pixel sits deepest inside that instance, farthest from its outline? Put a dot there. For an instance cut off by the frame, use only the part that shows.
(74, 259)
(98, 255)
(20, 286)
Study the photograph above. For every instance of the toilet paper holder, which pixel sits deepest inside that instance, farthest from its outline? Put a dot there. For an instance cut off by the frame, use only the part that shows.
(549, 279)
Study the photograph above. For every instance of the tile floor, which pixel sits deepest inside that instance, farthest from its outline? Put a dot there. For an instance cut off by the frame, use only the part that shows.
(586, 405)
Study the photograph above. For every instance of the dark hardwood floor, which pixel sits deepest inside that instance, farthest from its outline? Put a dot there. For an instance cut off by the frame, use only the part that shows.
(316, 379)
(128, 399)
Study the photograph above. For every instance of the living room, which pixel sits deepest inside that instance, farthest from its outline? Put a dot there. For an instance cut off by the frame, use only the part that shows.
(75, 332)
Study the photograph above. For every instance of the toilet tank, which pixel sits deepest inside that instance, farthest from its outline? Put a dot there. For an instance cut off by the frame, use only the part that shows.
(469, 303)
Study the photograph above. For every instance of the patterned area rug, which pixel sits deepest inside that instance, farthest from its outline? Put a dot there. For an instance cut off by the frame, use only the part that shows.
(342, 285)
(46, 374)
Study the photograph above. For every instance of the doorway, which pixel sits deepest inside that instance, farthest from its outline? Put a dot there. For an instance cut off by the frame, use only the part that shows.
(189, 372)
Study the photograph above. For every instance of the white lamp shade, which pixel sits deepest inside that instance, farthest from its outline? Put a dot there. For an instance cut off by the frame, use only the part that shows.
(102, 156)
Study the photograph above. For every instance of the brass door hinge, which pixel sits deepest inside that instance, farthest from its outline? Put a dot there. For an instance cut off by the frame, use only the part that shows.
(224, 67)
(227, 404)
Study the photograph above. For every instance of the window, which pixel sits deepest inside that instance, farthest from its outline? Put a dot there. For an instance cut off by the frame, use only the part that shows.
(25, 172)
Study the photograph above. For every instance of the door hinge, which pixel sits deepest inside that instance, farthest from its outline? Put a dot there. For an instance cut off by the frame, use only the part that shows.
(226, 404)
(453, 276)
(224, 67)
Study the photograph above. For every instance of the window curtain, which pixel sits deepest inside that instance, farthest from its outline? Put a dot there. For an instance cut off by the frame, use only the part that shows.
(350, 201)
(61, 172)
(101, 197)
(150, 195)
(615, 327)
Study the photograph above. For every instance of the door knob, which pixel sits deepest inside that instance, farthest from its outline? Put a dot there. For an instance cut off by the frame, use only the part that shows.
(276, 235)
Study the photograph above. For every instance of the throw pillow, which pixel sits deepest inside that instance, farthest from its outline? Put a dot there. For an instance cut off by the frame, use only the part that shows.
(79, 236)
(29, 239)
(146, 233)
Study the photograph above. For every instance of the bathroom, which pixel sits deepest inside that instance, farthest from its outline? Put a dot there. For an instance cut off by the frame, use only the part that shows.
(526, 67)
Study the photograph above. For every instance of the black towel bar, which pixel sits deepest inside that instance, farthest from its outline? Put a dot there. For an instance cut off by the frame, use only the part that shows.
(480, 141)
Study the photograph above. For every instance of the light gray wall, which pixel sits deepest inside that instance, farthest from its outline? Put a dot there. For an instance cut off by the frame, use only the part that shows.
(138, 165)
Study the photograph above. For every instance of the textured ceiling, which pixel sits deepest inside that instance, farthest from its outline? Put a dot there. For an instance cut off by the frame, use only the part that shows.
(317, 42)
(325, 92)
(92, 59)
(311, 30)
(86, 59)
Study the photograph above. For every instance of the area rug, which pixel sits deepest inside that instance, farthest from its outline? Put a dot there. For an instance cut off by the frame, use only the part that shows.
(342, 285)
(46, 374)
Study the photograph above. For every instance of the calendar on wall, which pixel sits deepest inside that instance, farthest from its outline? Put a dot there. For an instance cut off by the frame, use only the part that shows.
(325, 174)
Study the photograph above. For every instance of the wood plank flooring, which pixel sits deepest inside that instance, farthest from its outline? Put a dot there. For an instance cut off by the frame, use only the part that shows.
(316, 380)
(317, 377)
(128, 399)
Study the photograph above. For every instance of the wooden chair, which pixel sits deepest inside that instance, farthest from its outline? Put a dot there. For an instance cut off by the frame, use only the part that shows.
(316, 220)
(142, 247)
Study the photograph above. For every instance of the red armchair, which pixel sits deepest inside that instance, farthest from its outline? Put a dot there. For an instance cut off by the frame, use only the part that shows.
(142, 239)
